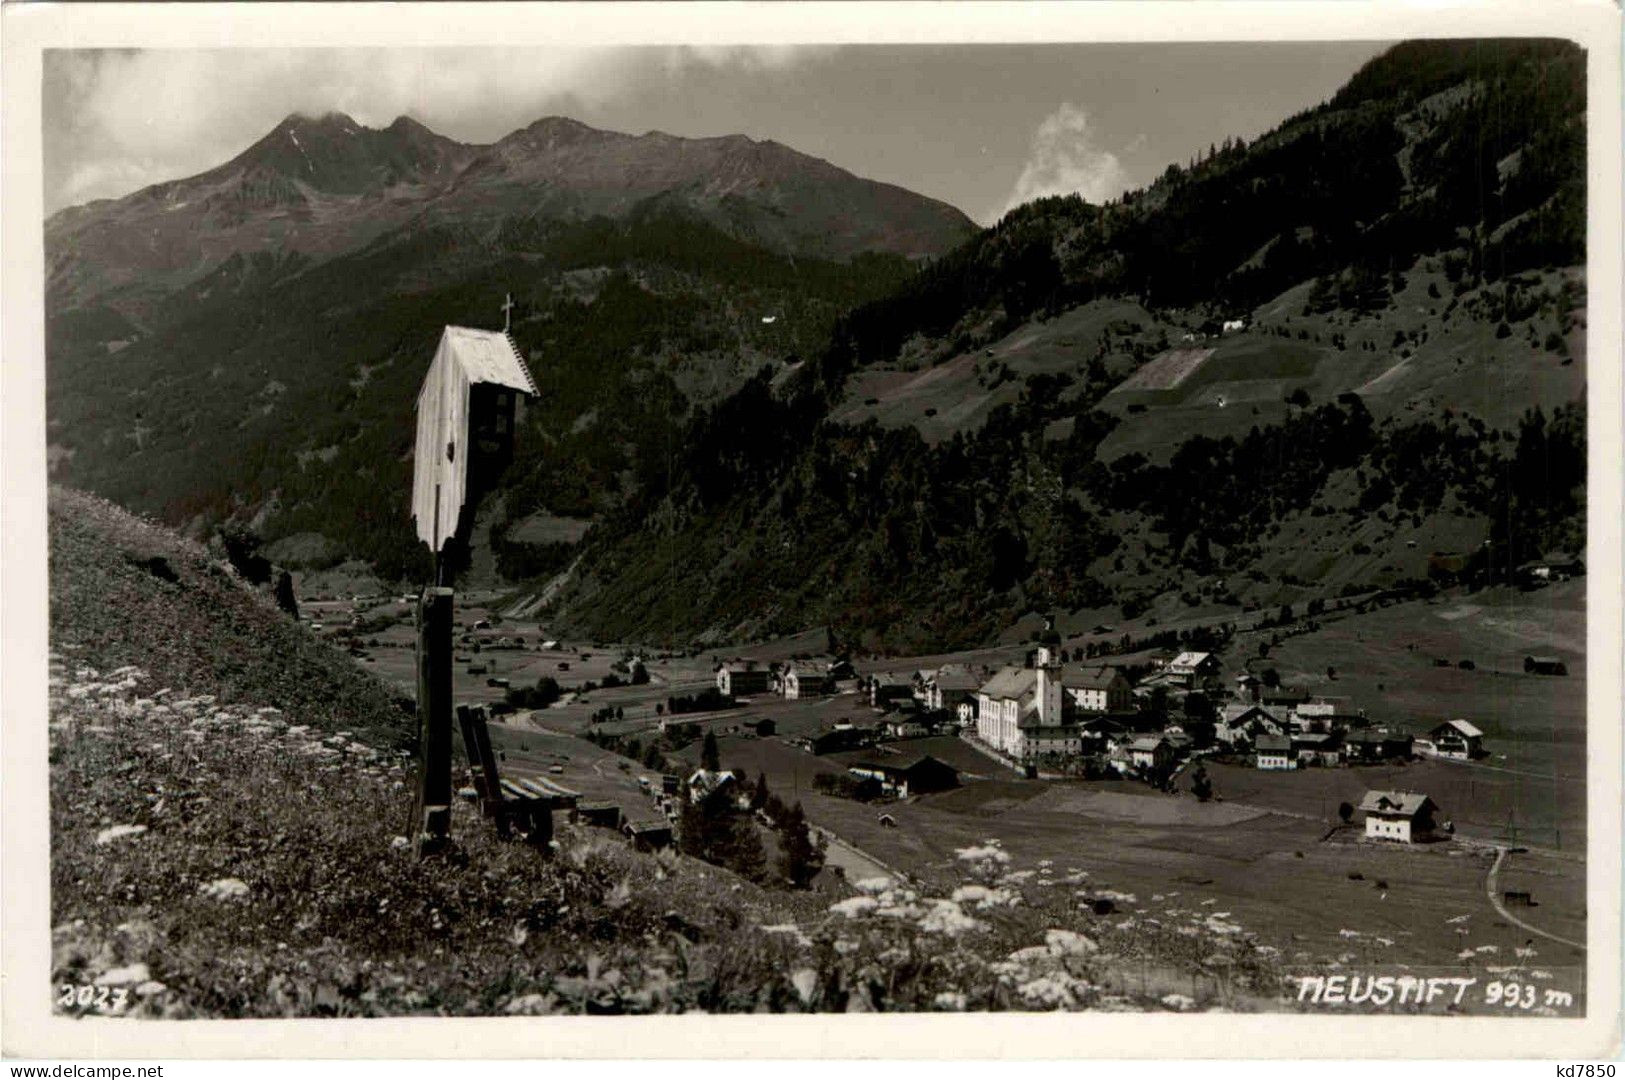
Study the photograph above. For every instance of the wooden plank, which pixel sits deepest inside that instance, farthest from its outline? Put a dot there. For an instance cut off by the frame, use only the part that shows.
(483, 752)
(490, 794)
(432, 813)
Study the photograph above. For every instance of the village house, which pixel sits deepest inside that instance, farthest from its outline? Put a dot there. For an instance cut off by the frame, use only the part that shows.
(888, 686)
(840, 739)
(1097, 688)
(1193, 669)
(1318, 749)
(1239, 722)
(1370, 747)
(1247, 687)
(1556, 566)
(1457, 739)
(1544, 665)
(807, 682)
(1151, 752)
(952, 688)
(904, 726)
(702, 783)
(743, 679)
(1324, 714)
(908, 776)
(1405, 816)
(1273, 753)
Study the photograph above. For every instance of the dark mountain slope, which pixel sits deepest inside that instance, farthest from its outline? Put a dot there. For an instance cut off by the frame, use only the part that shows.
(1413, 295)
(248, 342)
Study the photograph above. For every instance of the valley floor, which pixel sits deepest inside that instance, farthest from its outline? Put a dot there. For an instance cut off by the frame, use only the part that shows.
(1269, 851)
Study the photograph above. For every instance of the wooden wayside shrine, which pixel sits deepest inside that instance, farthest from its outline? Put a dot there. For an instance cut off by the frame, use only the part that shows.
(466, 416)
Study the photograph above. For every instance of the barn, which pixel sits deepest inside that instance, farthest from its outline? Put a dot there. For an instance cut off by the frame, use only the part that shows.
(909, 776)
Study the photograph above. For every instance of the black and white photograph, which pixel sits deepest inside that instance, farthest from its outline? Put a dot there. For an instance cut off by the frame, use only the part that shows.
(558, 527)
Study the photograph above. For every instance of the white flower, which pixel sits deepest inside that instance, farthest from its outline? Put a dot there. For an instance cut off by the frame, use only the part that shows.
(853, 906)
(1057, 990)
(944, 917)
(1348, 933)
(119, 832)
(528, 1004)
(805, 980)
(125, 976)
(1487, 949)
(228, 888)
(1068, 943)
(983, 855)
(1179, 1002)
(949, 1001)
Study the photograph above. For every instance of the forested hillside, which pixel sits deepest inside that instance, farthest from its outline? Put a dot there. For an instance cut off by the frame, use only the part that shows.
(246, 345)
(1406, 262)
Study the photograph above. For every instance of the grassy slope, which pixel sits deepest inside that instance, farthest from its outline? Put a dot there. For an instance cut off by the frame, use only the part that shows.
(111, 605)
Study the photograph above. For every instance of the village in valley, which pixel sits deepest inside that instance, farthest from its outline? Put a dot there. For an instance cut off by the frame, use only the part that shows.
(601, 573)
(1383, 746)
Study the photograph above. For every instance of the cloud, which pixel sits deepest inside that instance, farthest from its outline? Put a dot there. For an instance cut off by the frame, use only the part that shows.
(1065, 160)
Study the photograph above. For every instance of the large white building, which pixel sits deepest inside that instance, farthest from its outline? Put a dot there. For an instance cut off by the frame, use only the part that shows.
(1019, 700)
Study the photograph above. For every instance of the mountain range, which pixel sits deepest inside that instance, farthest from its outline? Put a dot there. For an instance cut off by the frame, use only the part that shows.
(245, 344)
(314, 188)
(1289, 367)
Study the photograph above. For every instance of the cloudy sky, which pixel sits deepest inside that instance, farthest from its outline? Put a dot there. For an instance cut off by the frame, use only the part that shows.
(984, 127)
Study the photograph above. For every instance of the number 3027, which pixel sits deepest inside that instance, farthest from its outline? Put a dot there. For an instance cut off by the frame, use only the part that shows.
(105, 999)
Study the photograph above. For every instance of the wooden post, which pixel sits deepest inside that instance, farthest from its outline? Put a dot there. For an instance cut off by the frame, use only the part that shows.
(432, 815)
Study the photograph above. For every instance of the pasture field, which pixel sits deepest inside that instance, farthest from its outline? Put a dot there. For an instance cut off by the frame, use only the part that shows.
(1166, 371)
(1534, 725)
(1275, 870)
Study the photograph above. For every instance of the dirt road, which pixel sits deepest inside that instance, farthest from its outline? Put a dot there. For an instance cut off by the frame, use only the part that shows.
(1494, 893)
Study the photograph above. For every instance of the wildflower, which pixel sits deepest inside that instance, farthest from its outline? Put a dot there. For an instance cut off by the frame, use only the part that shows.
(1487, 949)
(1466, 954)
(133, 975)
(229, 888)
(1054, 991)
(944, 917)
(1524, 952)
(949, 1001)
(1179, 1002)
(987, 857)
(529, 1005)
(1348, 933)
(853, 906)
(1068, 943)
(805, 980)
(1029, 954)
(119, 832)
